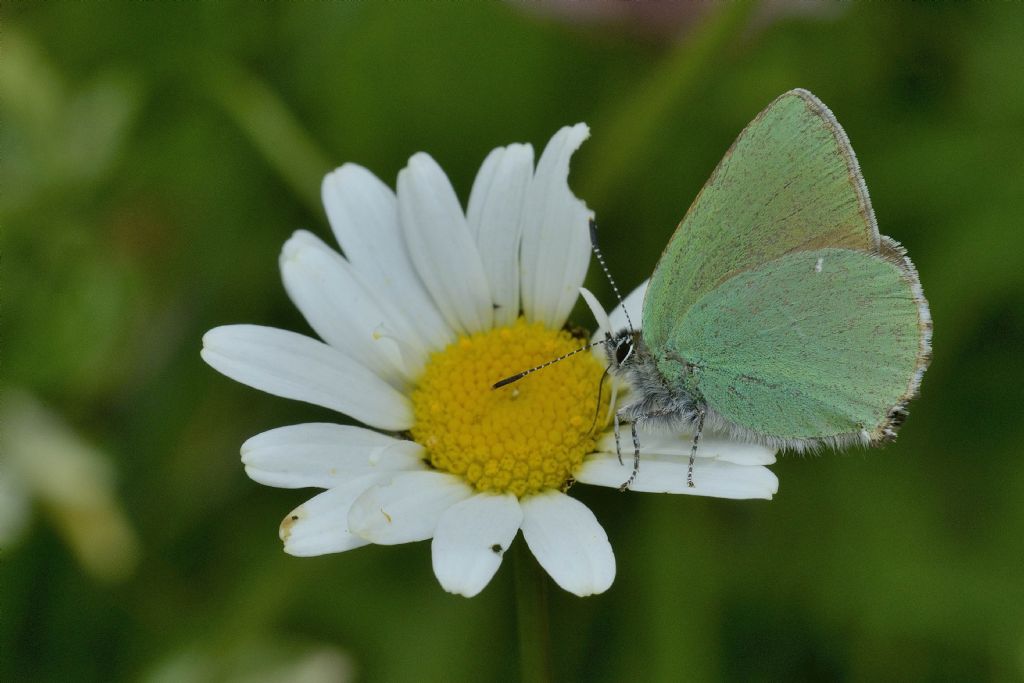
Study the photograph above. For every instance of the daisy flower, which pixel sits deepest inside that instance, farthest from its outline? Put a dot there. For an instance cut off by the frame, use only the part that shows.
(428, 307)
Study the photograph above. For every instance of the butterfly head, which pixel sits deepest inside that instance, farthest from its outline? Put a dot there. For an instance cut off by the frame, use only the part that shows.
(623, 348)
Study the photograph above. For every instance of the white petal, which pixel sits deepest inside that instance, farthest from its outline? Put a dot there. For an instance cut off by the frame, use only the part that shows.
(442, 248)
(402, 324)
(598, 348)
(568, 542)
(600, 315)
(634, 303)
(323, 455)
(320, 525)
(711, 446)
(343, 309)
(408, 508)
(667, 474)
(294, 366)
(556, 234)
(470, 539)
(724, 448)
(495, 215)
(363, 213)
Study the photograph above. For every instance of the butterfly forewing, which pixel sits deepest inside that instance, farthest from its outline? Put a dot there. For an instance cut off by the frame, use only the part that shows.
(790, 182)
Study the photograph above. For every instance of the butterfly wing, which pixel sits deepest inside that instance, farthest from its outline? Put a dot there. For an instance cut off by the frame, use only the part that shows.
(790, 182)
(820, 346)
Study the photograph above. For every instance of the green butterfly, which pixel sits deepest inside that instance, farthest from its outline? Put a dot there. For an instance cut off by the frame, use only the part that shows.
(777, 312)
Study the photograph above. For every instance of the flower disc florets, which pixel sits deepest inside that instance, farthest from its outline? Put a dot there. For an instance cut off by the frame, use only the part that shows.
(524, 437)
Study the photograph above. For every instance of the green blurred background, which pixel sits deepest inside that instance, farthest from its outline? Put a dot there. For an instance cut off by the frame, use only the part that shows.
(156, 156)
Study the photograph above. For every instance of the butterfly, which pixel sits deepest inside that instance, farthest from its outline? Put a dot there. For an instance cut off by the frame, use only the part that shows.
(777, 312)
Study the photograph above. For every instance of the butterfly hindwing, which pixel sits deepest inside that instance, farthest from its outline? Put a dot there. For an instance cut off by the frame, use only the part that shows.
(820, 346)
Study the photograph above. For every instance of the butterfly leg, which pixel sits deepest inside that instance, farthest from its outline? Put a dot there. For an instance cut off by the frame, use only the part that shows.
(597, 408)
(693, 449)
(636, 457)
(618, 446)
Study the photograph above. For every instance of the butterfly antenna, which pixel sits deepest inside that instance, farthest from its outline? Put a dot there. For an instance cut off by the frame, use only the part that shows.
(607, 273)
(519, 375)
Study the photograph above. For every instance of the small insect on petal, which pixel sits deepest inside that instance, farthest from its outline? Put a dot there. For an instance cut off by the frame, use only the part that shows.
(288, 523)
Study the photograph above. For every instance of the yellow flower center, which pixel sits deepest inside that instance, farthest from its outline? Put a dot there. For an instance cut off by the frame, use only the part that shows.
(521, 438)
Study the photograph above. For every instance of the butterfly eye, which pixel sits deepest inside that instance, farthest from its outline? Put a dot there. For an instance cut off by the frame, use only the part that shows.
(623, 350)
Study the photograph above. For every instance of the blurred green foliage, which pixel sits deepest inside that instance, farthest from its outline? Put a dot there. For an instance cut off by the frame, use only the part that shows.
(155, 157)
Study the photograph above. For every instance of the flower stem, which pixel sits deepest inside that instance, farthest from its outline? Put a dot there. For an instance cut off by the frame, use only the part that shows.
(532, 617)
